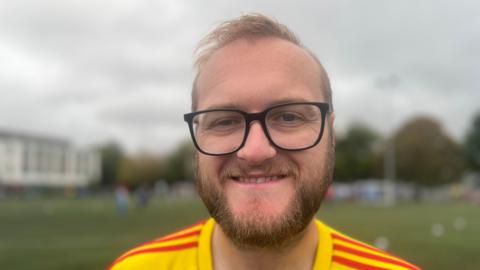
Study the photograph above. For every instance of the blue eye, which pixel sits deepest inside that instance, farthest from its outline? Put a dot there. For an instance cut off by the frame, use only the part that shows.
(288, 117)
(226, 122)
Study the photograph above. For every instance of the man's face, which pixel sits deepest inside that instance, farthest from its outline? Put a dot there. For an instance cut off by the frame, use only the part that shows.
(252, 76)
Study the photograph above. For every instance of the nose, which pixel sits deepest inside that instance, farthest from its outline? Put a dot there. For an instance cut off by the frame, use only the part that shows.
(257, 147)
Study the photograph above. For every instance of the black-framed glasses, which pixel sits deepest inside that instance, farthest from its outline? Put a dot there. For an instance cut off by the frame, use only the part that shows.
(293, 127)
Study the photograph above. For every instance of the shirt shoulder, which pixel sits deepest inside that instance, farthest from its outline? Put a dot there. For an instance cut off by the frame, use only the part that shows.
(178, 250)
(348, 253)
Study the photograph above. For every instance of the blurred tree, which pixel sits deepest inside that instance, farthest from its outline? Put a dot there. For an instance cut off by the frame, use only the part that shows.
(472, 145)
(425, 154)
(356, 155)
(179, 164)
(140, 169)
(111, 155)
(127, 171)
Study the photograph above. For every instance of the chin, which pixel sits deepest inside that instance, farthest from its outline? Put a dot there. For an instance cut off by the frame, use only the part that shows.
(258, 207)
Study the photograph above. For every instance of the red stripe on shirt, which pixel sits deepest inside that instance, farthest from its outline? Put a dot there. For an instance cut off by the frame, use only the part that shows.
(170, 236)
(174, 237)
(373, 256)
(356, 265)
(188, 227)
(351, 241)
(164, 239)
(156, 249)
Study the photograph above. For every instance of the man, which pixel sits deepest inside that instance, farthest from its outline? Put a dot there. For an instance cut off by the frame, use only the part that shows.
(262, 124)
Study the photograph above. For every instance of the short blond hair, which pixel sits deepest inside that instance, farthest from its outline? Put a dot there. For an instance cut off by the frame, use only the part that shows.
(251, 26)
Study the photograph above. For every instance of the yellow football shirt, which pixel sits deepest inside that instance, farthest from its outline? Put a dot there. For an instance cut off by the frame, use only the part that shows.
(190, 249)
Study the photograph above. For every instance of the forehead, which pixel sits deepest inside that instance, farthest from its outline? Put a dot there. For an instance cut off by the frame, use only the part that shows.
(254, 74)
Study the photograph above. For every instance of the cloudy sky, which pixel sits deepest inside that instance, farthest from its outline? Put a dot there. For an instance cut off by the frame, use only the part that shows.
(92, 70)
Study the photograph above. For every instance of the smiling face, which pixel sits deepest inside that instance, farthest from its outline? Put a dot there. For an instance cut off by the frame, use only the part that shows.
(260, 195)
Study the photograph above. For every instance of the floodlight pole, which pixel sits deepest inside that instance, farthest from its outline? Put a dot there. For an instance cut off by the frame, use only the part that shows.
(389, 162)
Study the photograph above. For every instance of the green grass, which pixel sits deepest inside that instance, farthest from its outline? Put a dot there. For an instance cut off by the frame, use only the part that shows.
(89, 233)
(408, 228)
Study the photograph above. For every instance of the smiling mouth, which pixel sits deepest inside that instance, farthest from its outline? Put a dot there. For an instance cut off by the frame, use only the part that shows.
(257, 180)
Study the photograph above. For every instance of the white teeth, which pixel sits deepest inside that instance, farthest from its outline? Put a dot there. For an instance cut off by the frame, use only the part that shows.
(257, 180)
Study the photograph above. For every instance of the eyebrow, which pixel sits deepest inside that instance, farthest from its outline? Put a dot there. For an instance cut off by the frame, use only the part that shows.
(237, 106)
(224, 106)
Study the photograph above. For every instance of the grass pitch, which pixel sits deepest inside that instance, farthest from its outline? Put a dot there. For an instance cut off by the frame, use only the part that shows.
(89, 233)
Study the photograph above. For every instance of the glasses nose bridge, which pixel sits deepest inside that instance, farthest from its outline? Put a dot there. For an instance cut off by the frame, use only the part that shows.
(252, 117)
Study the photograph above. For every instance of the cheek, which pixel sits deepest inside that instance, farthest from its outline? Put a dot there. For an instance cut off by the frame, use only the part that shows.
(313, 160)
(210, 166)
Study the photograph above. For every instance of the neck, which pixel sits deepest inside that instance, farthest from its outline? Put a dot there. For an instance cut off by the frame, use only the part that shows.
(299, 254)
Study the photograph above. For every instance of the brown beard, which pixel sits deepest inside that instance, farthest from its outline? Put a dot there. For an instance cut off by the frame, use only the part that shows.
(254, 231)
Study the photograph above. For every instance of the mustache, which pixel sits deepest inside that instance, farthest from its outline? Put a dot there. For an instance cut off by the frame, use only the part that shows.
(270, 167)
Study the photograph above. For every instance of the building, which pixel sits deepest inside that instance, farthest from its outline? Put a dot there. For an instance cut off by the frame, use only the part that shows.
(30, 160)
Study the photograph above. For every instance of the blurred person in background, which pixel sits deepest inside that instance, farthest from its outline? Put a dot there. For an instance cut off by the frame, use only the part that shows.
(262, 124)
(122, 199)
